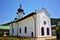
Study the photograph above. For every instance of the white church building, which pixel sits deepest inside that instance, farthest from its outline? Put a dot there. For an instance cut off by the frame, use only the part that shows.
(36, 24)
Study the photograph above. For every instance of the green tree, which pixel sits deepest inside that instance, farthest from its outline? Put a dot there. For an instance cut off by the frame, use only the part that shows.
(58, 31)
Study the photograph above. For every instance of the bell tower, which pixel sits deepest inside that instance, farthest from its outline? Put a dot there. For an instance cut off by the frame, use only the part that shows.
(20, 12)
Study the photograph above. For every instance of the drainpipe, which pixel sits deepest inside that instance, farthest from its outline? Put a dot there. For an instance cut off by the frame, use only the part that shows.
(34, 25)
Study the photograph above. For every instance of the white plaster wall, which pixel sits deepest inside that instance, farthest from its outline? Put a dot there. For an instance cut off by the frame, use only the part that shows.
(40, 18)
(37, 26)
(29, 23)
(10, 30)
(20, 15)
(15, 29)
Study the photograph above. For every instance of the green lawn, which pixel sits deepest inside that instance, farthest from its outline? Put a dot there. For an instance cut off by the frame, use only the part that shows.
(18, 38)
(13, 38)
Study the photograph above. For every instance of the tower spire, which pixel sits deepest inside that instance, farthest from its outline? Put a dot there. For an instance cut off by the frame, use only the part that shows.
(20, 11)
(20, 6)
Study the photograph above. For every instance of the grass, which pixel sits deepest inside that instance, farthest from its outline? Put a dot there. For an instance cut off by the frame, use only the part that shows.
(13, 38)
(18, 38)
(51, 39)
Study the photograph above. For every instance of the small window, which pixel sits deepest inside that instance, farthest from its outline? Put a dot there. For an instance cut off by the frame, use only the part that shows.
(44, 22)
(12, 30)
(32, 34)
(20, 30)
(25, 29)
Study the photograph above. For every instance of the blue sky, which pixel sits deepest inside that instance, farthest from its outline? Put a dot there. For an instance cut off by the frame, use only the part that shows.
(8, 8)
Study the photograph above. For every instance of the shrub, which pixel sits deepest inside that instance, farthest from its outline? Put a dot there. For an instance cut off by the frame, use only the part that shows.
(7, 33)
(1, 34)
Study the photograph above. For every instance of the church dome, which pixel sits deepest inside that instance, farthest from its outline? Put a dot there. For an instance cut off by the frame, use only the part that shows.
(20, 9)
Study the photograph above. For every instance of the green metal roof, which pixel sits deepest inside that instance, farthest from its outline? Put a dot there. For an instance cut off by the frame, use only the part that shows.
(4, 27)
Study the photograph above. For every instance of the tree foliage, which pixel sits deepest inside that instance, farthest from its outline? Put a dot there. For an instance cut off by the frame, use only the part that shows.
(58, 32)
(1, 34)
(54, 21)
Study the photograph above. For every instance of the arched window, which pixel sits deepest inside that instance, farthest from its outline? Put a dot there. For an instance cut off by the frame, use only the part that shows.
(20, 30)
(42, 31)
(47, 31)
(25, 29)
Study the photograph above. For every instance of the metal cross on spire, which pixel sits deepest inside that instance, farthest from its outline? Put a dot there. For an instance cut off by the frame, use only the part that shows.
(20, 4)
(42, 4)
